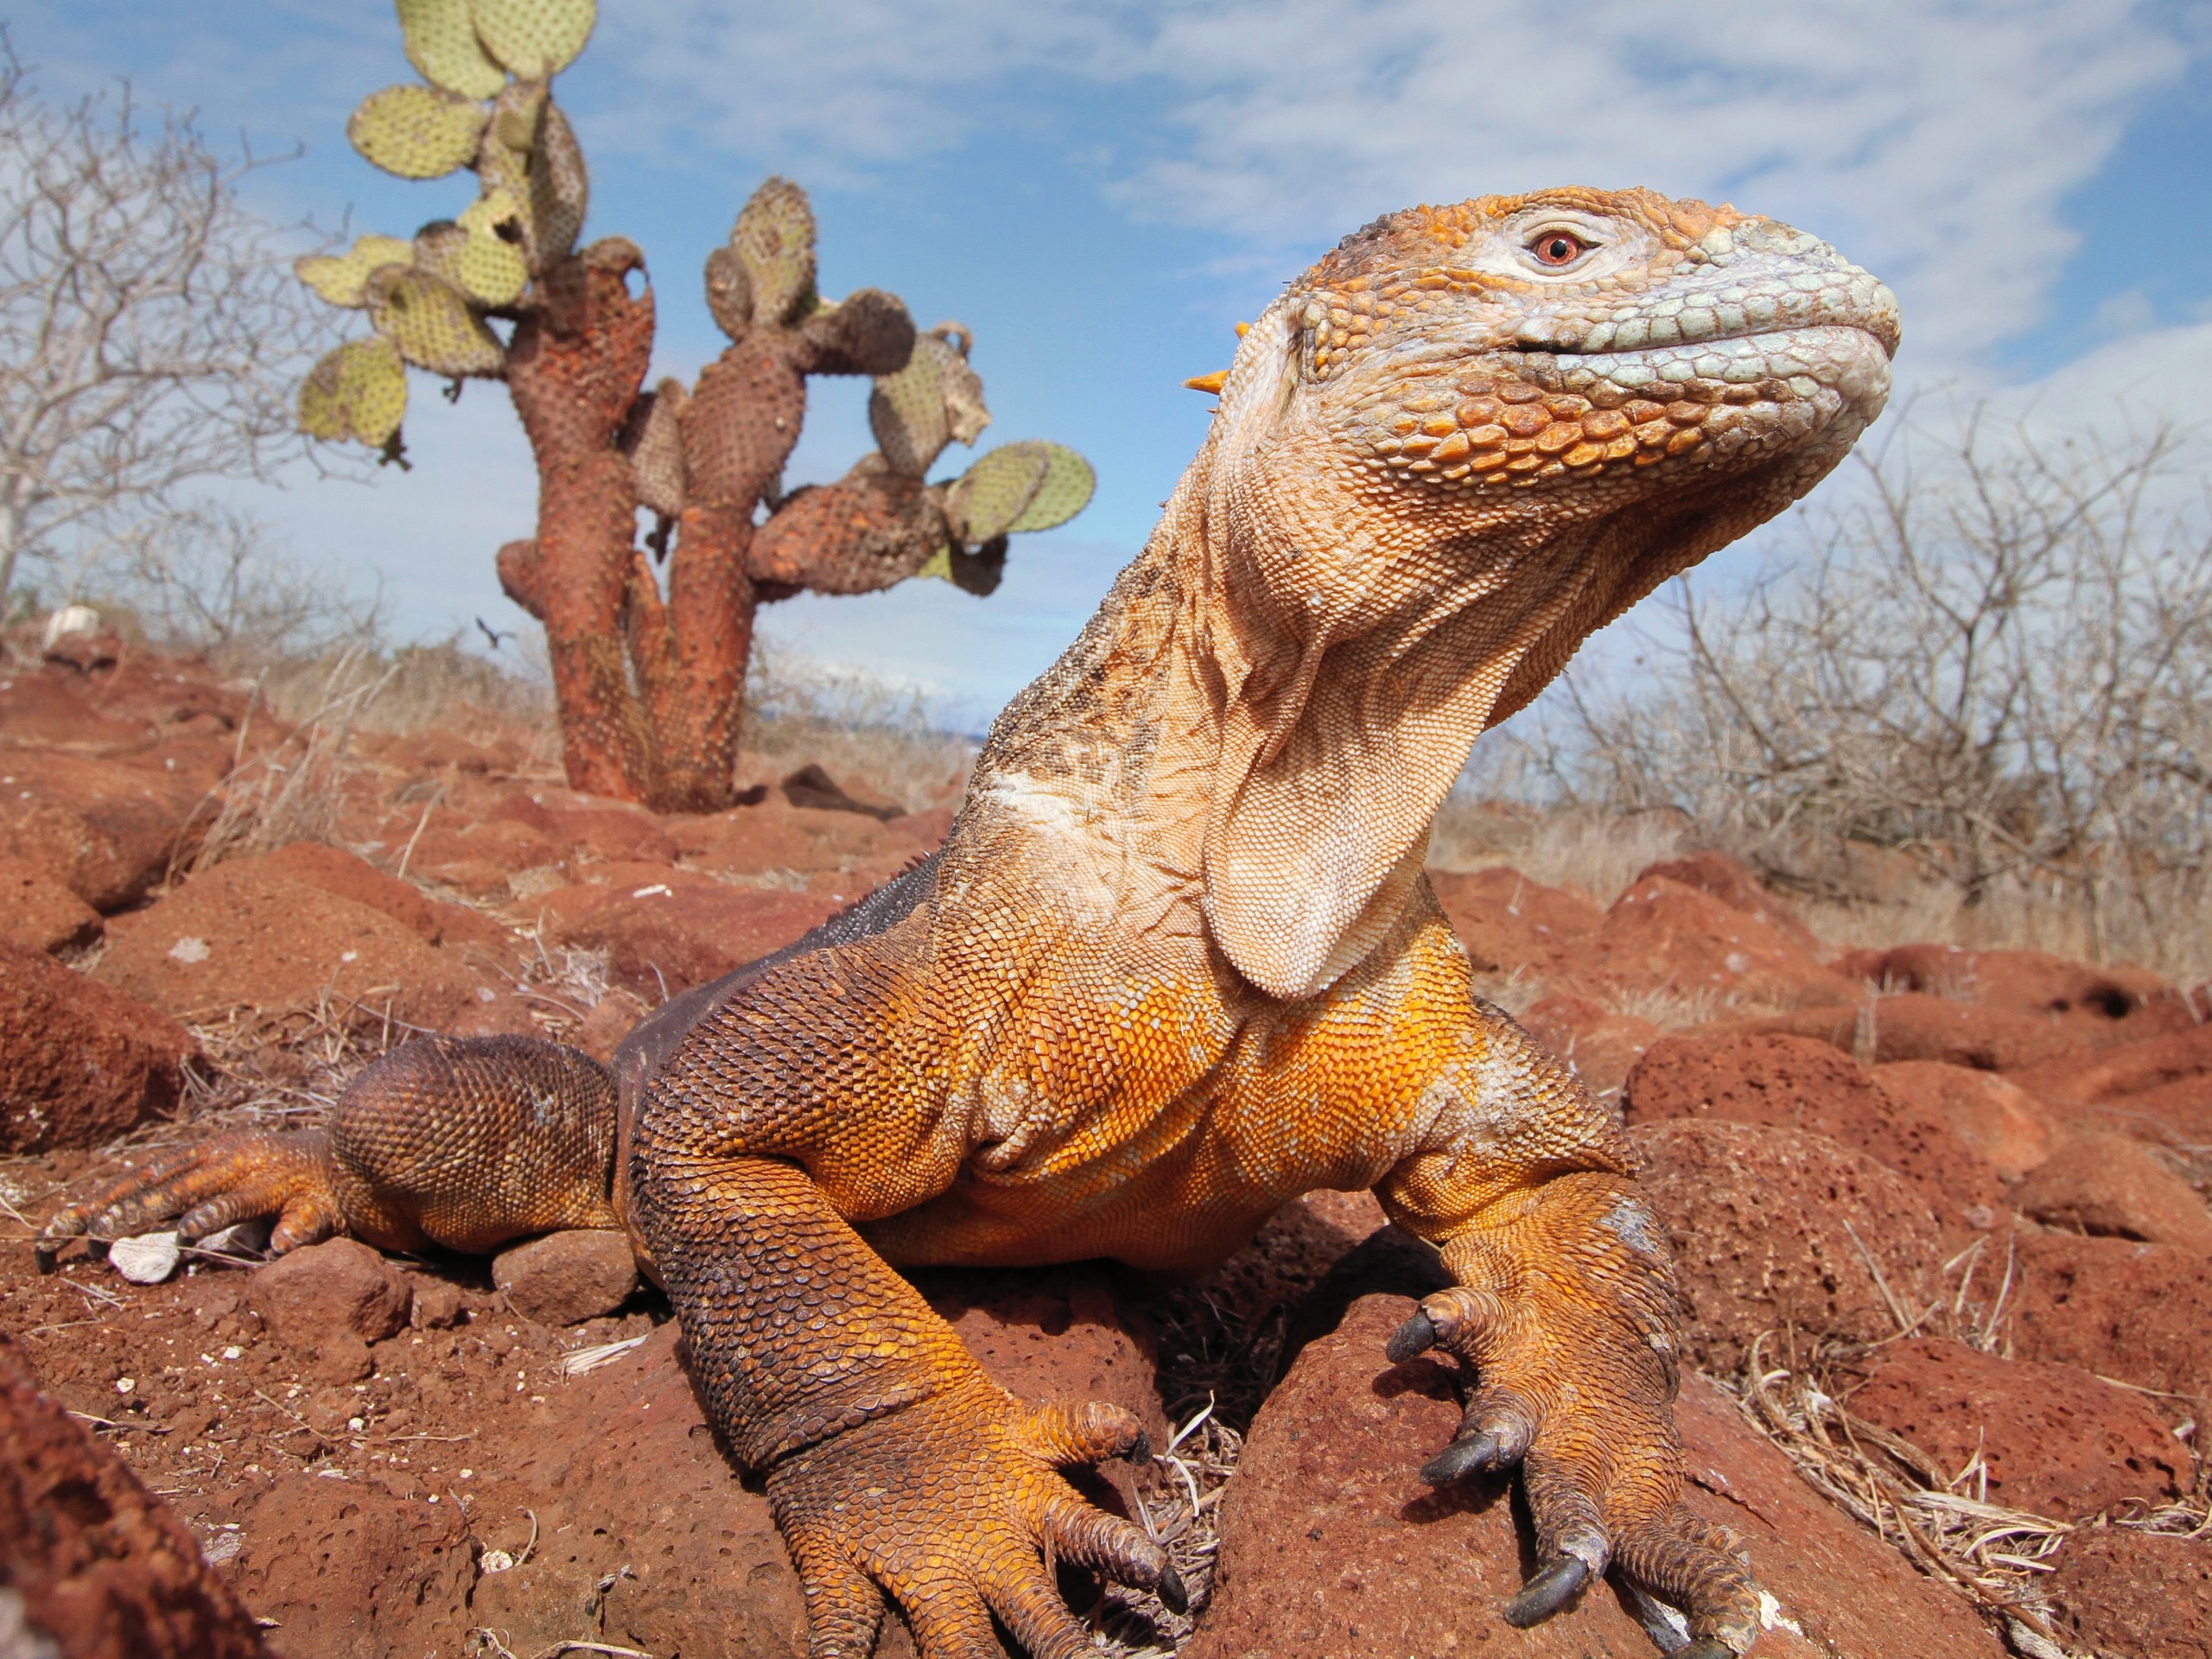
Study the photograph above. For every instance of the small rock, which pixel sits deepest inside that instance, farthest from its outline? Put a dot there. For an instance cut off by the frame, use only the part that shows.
(567, 1278)
(323, 1292)
(2138, 1593)
(2056, 1440)
(148, 1258)
(1331, 1544)
(94, 1563)
(438, 1304)
(2134, 1312)
(1797, 1083)
(2113, 1186)
(1662, 935)
(1777, 1230)
(79, 1062)
(38, 913)
(812, 786)
(1999, 1120)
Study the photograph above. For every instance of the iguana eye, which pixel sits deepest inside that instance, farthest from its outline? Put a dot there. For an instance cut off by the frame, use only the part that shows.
(1557, 248)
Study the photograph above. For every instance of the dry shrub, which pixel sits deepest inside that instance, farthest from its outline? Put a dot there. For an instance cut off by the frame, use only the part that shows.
(1973, 697)
(862, 728)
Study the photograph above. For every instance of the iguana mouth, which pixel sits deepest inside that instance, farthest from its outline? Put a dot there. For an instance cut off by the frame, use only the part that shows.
(1523, 413)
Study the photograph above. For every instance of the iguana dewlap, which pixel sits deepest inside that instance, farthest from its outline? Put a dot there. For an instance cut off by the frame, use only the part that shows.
(1177, 962)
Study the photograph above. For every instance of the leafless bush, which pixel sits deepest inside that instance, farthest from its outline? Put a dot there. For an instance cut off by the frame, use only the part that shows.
(859, 726)
(203, 580)
(1993, 660)
(151, 331)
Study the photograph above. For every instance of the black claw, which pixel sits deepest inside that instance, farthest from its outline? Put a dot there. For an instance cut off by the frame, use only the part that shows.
(46, 1253)
(96, 1247)
(1469, 1451)
(1140, 1452)
(1548, 1592)
(1416, 1336)
(1173, 1593)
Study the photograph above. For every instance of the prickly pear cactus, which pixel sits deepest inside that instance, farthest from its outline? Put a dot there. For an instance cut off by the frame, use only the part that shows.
(418, 132)
(357, 391)
(432, 323)
(337, 279)
(1019, 487)
(935, 400)
(441, 41)
(773, 239)
(533, 38)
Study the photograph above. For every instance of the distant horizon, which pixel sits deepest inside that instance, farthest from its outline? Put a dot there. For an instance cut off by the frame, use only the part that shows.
(1100, 192)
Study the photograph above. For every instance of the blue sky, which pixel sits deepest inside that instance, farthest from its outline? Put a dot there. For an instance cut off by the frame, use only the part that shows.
(1100, 188)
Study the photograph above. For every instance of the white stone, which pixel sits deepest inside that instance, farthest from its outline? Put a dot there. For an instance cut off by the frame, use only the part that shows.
(149, 1258)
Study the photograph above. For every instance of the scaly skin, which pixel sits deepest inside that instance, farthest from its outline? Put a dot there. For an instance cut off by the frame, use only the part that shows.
(1178, 965)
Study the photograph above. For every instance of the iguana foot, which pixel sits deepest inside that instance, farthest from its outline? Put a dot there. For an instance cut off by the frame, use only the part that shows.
(206, 1188)
(954, 1505)
(1600, 1464)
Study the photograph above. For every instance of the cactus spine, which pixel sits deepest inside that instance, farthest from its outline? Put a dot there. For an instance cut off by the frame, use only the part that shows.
(649, 667)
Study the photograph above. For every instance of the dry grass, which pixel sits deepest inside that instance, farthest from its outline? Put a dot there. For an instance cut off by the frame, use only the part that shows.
(1599, 852)
(860, 728)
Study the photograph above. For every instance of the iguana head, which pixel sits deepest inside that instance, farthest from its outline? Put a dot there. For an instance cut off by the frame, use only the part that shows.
(1467, 438)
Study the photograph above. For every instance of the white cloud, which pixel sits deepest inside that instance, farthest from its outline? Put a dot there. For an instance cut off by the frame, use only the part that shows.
(1935, 143)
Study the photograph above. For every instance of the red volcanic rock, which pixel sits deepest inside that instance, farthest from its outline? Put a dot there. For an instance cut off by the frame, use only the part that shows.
(49, 710)
(1661, 935)
(248, 934)
(2101, 1000)
(2114, 1186)
(774, 838)
(1601, 1045)
(2161, 1088)
(566, 1278)
(1331, 1544)
(585, 828)
(2136, 1593)
(478, 858)
(1799, 1084)
(80, 1063)
(320, 1289)
(680, 929)
(1913, 1026)
(339, 872)
(613, 1018)
(1779, 1230)
(106, 830)
(1735, 886)
(2056, 1440)
(349, 1569)
(39, 913)
(2134, 1312)
(1507, 921)
(97, 1566)
(1997, 1119)
(648, 1485)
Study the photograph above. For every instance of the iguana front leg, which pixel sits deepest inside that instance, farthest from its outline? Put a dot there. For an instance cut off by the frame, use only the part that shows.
(890, 1460)
(1567, 1310)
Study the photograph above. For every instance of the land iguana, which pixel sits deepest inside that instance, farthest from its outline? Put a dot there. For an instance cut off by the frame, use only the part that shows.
(1178, 963)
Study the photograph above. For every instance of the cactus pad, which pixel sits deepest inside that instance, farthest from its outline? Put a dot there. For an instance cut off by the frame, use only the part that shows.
(1019, 487)
(560, 189)
(1063, 492)
(418, 132)
(337, 279)
(775, 239)
(729, 292)
(492, 272)
(441, 41)
(534, 38)
(656, 445)
(907, 410)
(437, 249)
(431, 322)
(359, 390)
